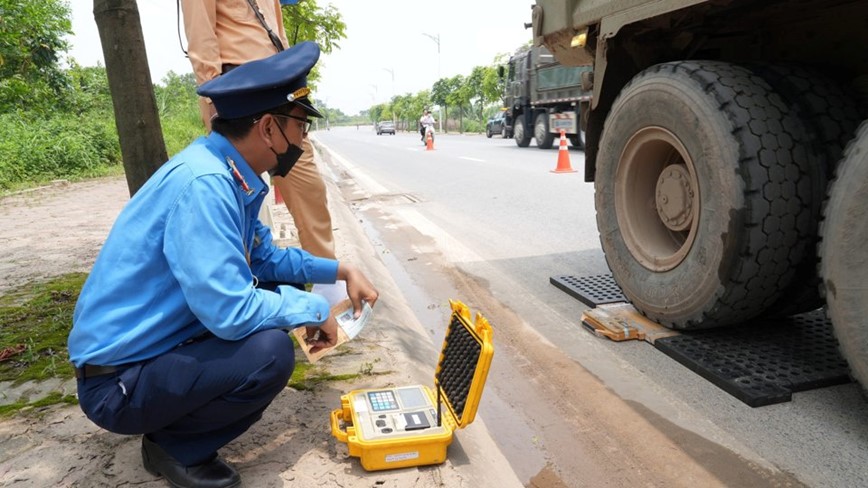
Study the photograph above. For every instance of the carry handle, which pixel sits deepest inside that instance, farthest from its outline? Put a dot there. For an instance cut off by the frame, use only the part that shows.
(337, 415)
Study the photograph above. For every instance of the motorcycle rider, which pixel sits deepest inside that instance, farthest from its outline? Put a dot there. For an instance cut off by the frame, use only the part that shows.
(425, 122)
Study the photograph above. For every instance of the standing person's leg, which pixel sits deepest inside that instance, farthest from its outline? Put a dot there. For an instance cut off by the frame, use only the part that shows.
(196, 398)
(304, 193)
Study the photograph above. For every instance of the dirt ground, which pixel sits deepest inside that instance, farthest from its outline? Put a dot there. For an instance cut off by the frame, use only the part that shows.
(59, 229)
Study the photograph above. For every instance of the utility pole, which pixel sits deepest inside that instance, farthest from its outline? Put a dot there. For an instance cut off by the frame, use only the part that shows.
(436, 39)
(135, 107)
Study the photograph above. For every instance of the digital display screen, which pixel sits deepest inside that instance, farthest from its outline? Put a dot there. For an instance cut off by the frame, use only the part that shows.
(412, 397)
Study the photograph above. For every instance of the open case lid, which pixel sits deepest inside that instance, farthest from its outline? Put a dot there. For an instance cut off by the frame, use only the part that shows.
(464, 363)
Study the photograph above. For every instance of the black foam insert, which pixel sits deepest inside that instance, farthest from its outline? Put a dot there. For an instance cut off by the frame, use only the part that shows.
(458, 362)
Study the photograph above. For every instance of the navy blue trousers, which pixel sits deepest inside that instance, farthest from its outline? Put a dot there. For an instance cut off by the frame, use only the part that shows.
(196, 398)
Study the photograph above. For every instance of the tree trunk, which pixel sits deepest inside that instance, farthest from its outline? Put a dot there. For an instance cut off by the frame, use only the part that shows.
(126, 63)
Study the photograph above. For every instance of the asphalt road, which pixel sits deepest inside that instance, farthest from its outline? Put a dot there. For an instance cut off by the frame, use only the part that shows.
(487, 222)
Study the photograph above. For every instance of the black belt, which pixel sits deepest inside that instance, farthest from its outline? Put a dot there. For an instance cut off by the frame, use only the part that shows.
(91, 370)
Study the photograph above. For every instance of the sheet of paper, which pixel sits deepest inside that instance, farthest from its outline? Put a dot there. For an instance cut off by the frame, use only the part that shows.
(334, 293)
(348, 328)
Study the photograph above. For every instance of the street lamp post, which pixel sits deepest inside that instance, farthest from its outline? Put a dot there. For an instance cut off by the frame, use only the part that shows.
(436, 39)
(392, 72)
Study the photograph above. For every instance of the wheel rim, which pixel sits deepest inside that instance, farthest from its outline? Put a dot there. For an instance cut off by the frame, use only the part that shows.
(519, 131)
(539, 129)
(657, 199)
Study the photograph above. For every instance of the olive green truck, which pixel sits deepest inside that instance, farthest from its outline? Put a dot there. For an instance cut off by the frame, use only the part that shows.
(729, 154)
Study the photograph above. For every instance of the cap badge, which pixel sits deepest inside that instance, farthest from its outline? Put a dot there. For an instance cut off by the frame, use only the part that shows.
(300, 93)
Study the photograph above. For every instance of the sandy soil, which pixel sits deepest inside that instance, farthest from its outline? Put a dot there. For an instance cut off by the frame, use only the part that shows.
(60, 228)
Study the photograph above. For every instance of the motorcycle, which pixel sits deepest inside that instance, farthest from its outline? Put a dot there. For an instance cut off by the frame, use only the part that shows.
(425, 130)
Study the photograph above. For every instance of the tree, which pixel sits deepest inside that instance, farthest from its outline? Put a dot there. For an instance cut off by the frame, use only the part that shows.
(459, 95)
(32, 43)
(474, 88)
(307, 21)
(139, 133)
(492, 86)
(440, 96)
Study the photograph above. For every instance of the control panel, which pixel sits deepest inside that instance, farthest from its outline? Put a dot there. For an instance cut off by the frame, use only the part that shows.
(396, 412)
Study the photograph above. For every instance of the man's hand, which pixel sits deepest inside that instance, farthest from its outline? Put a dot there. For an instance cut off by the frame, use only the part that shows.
(359, 288)
(324, 336)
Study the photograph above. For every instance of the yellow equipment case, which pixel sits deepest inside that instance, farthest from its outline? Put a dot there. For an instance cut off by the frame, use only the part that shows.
(405, 426)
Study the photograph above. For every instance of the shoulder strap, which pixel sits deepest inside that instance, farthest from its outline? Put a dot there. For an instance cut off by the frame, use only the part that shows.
(271, 35)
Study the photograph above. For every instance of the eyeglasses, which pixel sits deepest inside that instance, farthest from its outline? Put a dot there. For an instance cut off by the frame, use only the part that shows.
(307, 122)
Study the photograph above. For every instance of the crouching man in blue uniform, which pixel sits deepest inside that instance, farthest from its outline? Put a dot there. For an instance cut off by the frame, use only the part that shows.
(172, 337)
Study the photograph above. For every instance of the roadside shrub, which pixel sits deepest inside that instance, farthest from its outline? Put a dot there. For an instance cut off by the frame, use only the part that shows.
(470, 125)
(36, 149)
(178, 105)
(180, 131)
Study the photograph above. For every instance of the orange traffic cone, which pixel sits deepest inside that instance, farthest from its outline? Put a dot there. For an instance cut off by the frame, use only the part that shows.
(563, 156)
(429, 142)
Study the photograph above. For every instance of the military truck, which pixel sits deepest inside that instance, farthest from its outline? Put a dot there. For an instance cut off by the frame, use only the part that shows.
(729, 155)
(542, 97)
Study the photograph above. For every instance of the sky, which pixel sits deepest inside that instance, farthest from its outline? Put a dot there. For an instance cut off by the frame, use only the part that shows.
(386, 51)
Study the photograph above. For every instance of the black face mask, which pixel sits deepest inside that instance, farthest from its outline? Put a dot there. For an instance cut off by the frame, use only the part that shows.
(287, 159)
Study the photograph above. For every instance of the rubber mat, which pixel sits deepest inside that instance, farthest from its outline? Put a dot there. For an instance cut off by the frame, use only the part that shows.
(761, 362)
(590, 290)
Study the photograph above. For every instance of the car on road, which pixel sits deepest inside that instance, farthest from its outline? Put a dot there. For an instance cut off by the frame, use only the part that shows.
(496, 125)
(386, 127)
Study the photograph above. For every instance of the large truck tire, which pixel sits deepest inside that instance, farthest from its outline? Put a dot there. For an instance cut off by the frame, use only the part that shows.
(577, 140)
(831, 116)
(544, 138)
(844, 255)
(702, 193)
(522, 136)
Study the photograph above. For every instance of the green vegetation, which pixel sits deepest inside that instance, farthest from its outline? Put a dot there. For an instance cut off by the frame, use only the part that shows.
(52, 399)
(467, 102)
(36, 320)
(307, 376)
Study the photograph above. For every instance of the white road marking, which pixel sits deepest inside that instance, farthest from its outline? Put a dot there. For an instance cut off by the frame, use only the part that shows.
(364, 180)
(472, 159)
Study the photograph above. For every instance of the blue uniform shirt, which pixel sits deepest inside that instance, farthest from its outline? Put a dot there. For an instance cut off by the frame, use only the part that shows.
(175, 264)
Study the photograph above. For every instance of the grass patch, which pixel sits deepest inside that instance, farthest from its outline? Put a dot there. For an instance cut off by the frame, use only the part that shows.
(34, 323)
(52, 399)
(306, 376)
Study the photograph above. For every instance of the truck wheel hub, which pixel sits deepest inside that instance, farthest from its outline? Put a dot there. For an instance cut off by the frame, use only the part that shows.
(674, 197)
(657, 199)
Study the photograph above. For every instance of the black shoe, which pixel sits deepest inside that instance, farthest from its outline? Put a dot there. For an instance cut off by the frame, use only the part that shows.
(212, 474)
